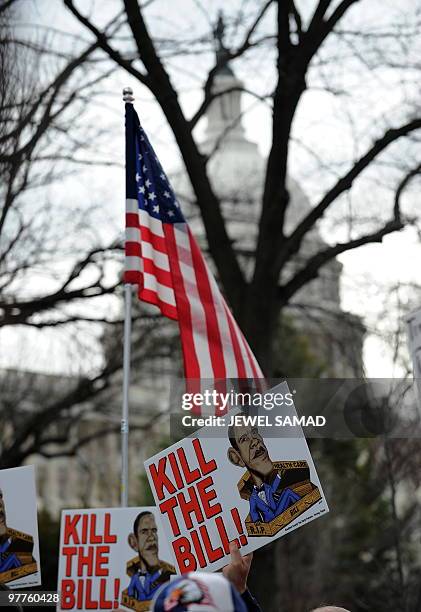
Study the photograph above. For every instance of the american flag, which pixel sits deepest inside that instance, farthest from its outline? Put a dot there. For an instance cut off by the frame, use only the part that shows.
(165, 261)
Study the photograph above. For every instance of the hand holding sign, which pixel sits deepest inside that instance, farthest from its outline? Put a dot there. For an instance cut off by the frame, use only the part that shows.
(238, 570)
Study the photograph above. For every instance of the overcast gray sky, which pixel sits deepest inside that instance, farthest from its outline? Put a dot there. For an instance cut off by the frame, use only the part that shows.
(339, 127)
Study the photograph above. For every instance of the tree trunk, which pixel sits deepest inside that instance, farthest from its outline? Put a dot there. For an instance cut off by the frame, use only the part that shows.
(259, 319)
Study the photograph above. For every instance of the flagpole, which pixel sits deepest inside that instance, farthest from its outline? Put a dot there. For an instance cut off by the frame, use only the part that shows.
(126, 386)
(124, 488)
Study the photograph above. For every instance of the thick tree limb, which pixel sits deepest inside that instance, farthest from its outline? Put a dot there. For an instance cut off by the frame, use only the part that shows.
(293, 243)
(85, 396)
(338, 13)
(85, 319)
(36, 424)
(72, 450)
(401, 188)
(19, 312)
(320, 27)
(319, 14)
(297, 18)
(6, 4)
(103, 42)
(312, 267)
(290, 85)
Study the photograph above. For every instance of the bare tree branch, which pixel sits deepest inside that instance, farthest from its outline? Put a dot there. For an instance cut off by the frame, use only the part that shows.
(6, 4)
(18, 312)
(72, 450)
(292, 244)
(297, 18)
(224, 59)
(313, 265)
(401, 188)
(103, 42)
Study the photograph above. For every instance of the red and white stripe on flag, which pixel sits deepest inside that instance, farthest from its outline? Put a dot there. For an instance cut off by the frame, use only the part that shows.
(147, 262)
(165, 261)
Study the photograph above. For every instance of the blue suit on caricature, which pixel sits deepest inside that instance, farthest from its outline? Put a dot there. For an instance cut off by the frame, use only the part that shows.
(8, 560)
(143, 590)
(261, 511)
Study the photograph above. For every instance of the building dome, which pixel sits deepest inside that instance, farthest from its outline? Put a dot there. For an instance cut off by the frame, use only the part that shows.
(237, 174)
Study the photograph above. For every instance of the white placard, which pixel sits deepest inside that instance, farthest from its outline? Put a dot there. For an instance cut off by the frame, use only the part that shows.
(112, 558)
(252, 489)
(19, 543)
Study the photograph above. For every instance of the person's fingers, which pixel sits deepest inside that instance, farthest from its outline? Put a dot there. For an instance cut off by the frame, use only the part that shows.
(235, 553)
(248, 558)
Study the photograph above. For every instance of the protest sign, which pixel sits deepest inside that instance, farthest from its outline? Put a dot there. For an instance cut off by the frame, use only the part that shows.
(414, 342)
(234, 483)
(19, 545)
(111, 558)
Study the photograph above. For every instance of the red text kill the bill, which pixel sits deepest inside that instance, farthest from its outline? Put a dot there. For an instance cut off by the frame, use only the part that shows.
(188, 500)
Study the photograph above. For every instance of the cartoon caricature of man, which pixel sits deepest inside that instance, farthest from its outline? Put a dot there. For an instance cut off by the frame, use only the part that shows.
(15, 547)
(270, 496)
(149, 572)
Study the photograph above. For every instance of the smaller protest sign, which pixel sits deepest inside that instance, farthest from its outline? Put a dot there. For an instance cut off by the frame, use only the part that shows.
(111, 558)
(19, 544)
(235, 483)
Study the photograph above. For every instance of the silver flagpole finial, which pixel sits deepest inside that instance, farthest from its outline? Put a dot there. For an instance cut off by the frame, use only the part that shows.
(128, 95)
